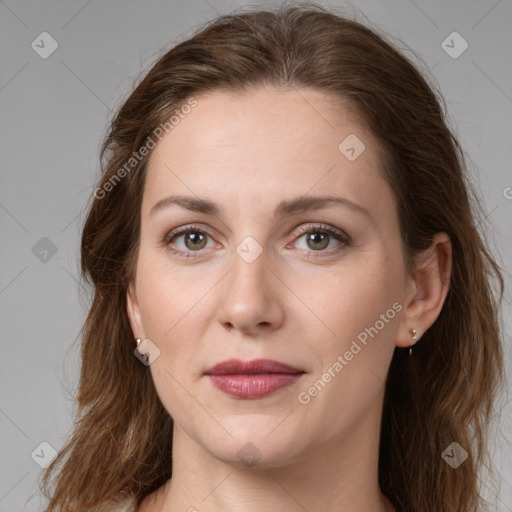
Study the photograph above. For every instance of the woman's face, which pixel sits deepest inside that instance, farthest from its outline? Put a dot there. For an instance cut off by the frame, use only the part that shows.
(317, 285)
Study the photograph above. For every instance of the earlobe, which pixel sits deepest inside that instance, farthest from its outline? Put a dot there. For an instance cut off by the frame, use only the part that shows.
(429, 290)
(133, 311)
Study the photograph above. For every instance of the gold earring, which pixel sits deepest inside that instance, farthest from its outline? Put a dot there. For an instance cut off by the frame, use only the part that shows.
(414, 338)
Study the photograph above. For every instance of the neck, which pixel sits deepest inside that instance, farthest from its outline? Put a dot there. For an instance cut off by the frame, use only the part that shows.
(340, 475)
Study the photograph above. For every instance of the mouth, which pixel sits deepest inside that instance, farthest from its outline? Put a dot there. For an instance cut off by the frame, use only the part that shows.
(252, 379)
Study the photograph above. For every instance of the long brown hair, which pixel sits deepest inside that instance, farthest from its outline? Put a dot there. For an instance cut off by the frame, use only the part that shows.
(121, 441)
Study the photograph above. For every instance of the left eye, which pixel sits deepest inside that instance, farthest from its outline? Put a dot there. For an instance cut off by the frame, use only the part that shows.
(319, 240)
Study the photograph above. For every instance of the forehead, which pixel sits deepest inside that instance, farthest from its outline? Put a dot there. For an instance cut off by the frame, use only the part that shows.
(265, 144)
(235, 123)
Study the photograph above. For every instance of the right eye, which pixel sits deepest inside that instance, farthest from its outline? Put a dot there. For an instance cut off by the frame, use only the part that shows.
(193, 240)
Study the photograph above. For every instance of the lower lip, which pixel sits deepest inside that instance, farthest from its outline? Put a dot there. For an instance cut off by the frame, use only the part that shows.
(253, 386)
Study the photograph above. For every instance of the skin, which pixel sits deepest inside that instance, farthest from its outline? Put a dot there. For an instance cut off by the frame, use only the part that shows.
(247, 153)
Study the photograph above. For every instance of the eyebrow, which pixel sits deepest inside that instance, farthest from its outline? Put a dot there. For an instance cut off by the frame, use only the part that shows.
(284, 209)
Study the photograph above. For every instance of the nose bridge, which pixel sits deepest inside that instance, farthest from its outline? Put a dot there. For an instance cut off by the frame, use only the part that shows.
(248, 296)
(247, 280)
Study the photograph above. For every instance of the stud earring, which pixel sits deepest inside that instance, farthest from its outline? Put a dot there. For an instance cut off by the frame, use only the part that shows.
(138, 341)
(414, 338)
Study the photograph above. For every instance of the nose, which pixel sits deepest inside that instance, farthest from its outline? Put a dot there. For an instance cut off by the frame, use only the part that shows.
(251, 297)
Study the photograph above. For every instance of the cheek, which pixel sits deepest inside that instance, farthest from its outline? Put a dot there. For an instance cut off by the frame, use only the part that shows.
(169, 304)
(168, 295)
(343, 302)
(176, 309)
(361, 307)
(355, 350)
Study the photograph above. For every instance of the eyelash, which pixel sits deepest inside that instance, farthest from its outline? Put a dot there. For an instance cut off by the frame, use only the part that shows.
(311, 228)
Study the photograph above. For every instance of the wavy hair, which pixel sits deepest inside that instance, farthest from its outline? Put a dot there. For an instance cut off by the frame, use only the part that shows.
(121, 441)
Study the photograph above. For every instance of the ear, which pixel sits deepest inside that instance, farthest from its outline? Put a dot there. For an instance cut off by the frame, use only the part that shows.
(132, 308)
(427, 291)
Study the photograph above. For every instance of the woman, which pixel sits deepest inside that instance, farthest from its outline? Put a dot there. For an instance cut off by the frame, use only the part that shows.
(293, 306)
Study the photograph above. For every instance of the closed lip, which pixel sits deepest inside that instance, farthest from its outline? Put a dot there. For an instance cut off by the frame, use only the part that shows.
(254, 367)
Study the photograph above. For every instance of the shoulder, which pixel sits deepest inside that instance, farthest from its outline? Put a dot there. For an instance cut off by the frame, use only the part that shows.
(120, 504)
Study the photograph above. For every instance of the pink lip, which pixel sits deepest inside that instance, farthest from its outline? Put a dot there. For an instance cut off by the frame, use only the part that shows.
(252, 379)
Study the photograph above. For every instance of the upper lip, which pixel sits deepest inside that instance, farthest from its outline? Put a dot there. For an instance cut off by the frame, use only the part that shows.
(256, 366)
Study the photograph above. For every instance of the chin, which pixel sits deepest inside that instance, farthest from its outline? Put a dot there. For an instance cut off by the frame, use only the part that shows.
(255, 448)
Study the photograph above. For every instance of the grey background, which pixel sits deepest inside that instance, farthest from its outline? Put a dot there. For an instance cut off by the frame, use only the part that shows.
(54, 114)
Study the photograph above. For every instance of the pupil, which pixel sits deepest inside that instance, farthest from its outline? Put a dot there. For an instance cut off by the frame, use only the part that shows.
(314, 240)
(195, 238)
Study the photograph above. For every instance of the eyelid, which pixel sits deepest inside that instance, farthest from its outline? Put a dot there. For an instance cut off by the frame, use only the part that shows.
(344, 239)
(189, 228)
(303, 229)
(312, 227)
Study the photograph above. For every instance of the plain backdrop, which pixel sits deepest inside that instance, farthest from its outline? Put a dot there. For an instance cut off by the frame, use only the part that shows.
(54, 112)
